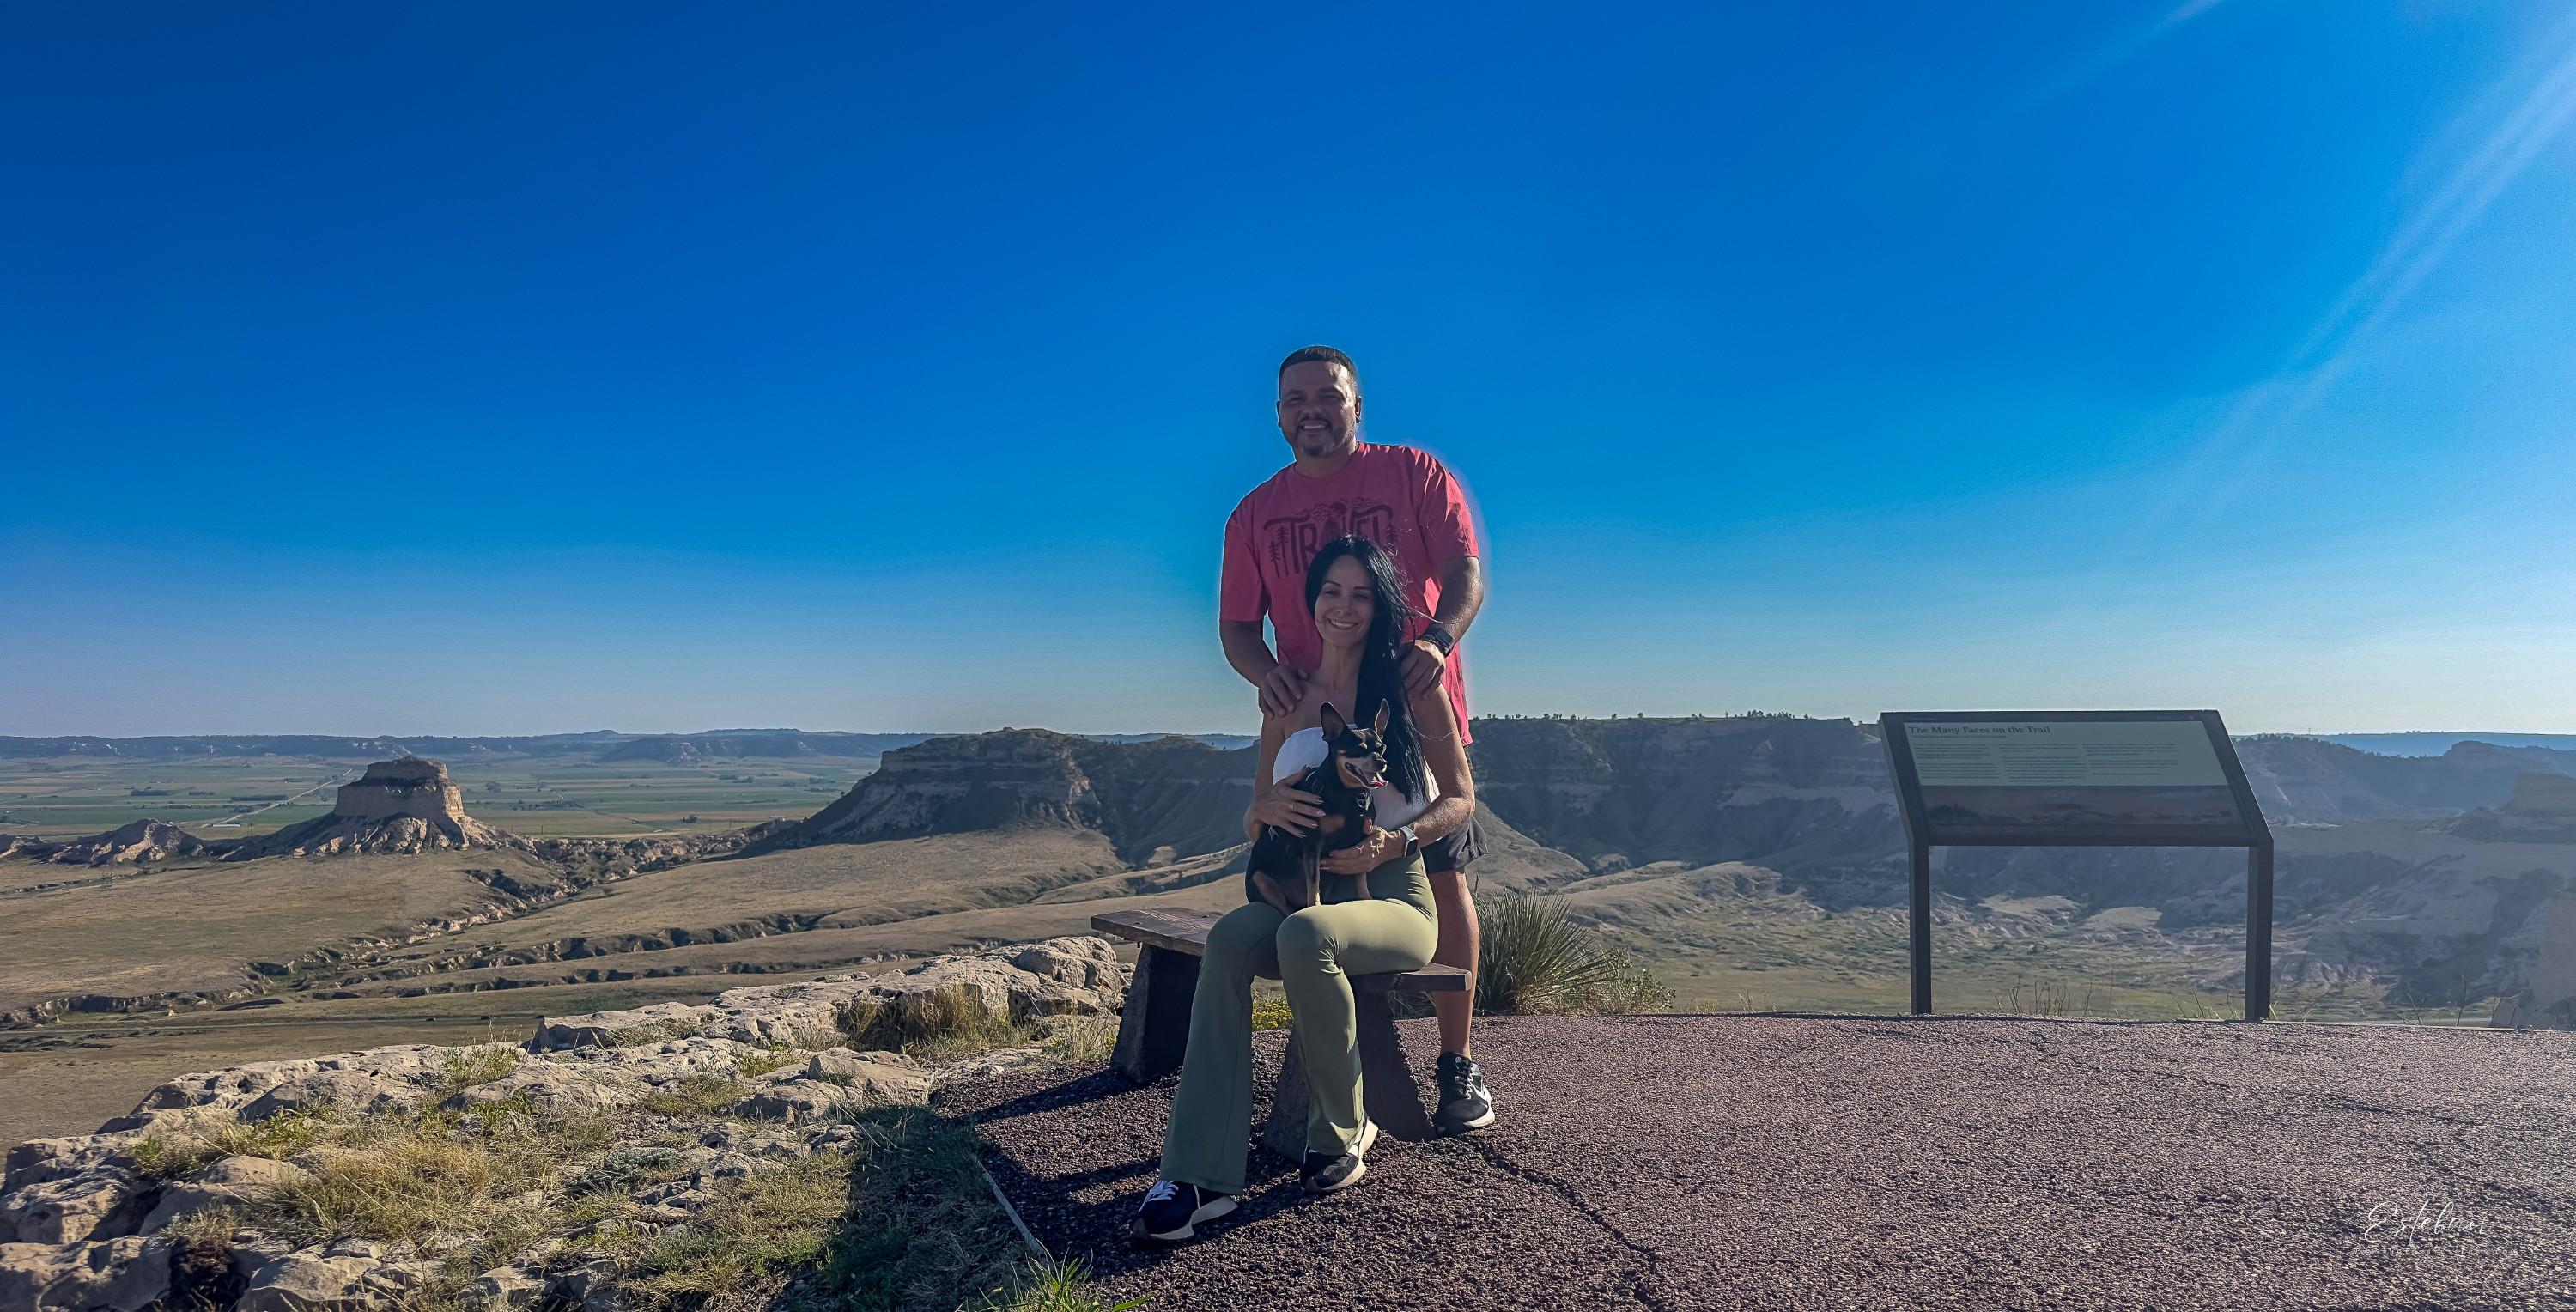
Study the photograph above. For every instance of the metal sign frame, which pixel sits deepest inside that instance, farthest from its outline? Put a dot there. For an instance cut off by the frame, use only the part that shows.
(1922, 836)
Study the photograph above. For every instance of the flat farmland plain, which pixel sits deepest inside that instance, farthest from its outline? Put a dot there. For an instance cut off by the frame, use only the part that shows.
(556, 796)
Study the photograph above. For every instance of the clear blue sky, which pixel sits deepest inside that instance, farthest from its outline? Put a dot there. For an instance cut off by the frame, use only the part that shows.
(506, 368)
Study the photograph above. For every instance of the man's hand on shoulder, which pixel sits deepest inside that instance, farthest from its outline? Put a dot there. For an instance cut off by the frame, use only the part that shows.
(1283, 689)
(1424, 663)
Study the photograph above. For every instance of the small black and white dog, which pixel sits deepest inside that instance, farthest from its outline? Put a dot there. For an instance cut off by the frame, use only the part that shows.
(1286, 868)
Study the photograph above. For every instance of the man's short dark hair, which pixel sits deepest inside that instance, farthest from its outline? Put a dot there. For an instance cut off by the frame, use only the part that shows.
(1324, 354)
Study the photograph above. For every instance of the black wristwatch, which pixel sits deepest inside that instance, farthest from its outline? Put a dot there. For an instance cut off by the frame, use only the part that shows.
(1411, 843)
(1440, 638)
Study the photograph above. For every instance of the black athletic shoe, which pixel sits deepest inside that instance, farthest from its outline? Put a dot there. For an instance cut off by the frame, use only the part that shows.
(1325, 1173)
(1172, 1211)
(1465, 1103)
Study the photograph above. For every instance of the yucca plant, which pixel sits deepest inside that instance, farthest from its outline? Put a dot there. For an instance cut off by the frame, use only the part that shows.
(1537, 960)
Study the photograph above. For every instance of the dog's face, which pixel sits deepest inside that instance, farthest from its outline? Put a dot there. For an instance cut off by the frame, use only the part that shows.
(1358, 751)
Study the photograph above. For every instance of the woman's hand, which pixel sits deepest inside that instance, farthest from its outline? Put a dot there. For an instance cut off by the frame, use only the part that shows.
(1282, 807)
(1380, 847)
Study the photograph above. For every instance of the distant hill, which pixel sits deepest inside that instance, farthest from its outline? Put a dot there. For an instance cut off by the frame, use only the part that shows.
(2315, 781)
(2434, 744)
(599, 744)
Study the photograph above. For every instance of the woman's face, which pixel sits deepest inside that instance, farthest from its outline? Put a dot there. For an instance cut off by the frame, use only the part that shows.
(1346, 605)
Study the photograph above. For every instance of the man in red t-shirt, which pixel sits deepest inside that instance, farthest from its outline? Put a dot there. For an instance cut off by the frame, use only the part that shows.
(1407, 502)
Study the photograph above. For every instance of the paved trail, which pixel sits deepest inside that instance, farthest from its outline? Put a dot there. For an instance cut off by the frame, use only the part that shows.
(1755, 1162)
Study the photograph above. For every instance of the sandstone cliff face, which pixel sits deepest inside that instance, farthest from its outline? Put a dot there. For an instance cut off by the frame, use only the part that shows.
(1790, 793)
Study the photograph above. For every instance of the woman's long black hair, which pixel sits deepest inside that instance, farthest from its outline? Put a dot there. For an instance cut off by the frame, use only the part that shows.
(1381, 655)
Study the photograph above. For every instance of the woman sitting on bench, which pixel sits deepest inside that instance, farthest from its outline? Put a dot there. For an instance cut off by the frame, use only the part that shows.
(1377, 914)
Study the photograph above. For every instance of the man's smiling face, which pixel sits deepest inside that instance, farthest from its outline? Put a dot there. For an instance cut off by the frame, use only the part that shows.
(1319, 407)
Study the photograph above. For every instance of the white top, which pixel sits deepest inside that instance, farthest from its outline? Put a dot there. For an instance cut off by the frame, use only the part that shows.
(1304, 750)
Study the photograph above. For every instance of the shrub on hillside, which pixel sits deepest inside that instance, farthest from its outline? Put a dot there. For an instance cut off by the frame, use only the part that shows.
(1537, 960)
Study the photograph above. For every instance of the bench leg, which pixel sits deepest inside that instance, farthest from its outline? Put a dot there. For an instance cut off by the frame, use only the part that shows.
(1388, 1089)
(1154, 1022)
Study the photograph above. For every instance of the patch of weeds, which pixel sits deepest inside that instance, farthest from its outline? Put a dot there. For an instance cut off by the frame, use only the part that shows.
(1047, 1285)
(698, 1095)
(621, 1171)
(209, 1137)
(1272, 1014)
(466, 1068)
(1537, 960)
(660, 1031)
(211, 1228)
(901, 1220)
(935, 1025)
(770, 1222)
(763, 1062)
(1082, 1040)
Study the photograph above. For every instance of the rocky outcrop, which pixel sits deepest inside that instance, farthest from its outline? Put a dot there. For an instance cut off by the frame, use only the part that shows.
(406, 806)
(697, 1097)
(1061, 976)
(142, 840)
(1154, 800)
(2541, 810)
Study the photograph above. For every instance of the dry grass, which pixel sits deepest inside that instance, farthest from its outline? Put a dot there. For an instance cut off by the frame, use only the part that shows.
(1082, 1040)
(466, 1068)
(209, 1137)
(773, 1221)
(769, 1059)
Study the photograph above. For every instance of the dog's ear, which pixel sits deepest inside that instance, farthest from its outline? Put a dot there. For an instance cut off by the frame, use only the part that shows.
(1334, 724)
(1378, 726)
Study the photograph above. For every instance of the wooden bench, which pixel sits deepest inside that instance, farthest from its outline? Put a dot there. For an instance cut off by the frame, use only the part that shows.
(1154, 1026)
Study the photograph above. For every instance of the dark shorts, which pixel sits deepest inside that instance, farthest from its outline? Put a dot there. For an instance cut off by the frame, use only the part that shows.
(1453, 852)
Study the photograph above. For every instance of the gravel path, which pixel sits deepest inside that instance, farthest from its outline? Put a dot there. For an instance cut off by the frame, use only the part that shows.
(1764, 1162)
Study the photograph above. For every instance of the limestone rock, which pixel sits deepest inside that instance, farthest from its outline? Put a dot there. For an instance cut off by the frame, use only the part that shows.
(344, 1090)
(928, 995)
(612, 1029)
(232, 1181)
(876, 1079)
(94, 1204)
(506, 1287)
(792, 1101)
(39, 1160)
(310, 1280)
(115, 1275)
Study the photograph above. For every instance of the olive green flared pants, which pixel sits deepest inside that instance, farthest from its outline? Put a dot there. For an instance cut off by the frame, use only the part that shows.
(1312, 954)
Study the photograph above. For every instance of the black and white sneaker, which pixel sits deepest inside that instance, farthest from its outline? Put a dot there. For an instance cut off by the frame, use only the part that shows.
(1172, 1211)
(1465, 1103)
(1325, 1173)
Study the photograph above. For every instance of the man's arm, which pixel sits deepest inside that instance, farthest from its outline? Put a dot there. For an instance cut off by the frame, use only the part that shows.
(1282, 686)
(1462, 594)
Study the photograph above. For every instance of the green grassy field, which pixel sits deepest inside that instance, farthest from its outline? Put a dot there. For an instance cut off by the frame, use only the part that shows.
(539, 797)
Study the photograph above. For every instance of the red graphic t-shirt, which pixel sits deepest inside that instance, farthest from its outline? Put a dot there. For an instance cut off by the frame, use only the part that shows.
(1401, 499)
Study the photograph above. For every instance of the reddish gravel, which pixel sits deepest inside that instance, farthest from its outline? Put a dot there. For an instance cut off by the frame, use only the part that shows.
(1767, 1162)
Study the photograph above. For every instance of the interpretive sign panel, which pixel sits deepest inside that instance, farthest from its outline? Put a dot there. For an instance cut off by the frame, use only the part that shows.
(2126, 777)
(2077, 779)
